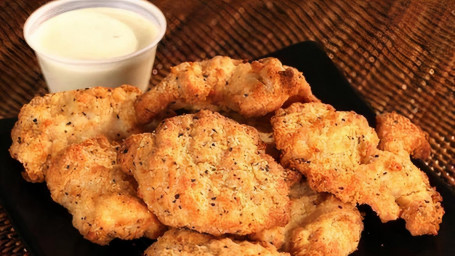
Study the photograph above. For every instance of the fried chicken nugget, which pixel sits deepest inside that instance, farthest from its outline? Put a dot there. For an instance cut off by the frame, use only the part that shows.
(337, 152)
(402, 190)
(208, 173)
(185, 242)
(400, 136)
(222, 83)
(86, 180)
(314, 135)
(320, 224)
(48, 124)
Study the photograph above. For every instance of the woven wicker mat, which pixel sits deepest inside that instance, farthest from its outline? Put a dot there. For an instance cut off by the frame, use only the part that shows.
(400, 55)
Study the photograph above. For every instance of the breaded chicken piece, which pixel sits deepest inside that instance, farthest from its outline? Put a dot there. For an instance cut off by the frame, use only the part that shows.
(50, 123)
(208, 173)
(400, 136)
(184, 242)
(402, 190)
(320, 224)
(222, 83)
(86, 180)
(314, 135)
(337, 152)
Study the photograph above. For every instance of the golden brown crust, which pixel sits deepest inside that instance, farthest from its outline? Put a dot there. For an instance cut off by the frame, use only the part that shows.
(208, 173)
(337, 153)
(335, 140)
(400, 136)
(184, 242)
(48, 124)
(403, 188)
(86, 180)
(320, 224)
(222, 83)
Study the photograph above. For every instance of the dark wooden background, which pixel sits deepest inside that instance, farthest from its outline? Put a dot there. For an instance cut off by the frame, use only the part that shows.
(400, 56)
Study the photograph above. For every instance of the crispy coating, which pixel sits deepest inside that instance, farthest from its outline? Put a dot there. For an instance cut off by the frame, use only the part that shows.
(263, 126)
(403, 190)
(400, 136)
(86, 180)
(337, 152)
(208, 173)
(320, 224)
(314, 135)
(185, 242)
(48, 124)
(222, 83)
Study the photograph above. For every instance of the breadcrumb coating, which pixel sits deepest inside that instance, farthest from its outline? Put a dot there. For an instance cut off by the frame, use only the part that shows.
(320, 224)
(224, 84)
(86, 179)
(50, 123)
(208, 173)
(400, 136)
(186, 243)
(337, 152)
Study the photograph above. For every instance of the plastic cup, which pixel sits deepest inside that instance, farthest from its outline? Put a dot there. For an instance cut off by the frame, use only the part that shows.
(63, 74)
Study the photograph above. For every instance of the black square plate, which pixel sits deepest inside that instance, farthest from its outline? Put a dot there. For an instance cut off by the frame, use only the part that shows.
(46, 228)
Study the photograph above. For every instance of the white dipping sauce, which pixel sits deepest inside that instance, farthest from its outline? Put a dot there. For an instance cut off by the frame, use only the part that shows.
(66, 42)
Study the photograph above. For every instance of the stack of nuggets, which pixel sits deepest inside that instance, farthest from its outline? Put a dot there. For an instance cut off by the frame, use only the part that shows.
(338, 152)
(208, 179)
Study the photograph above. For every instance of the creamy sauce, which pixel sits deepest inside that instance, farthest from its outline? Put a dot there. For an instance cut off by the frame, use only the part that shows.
(93, 34)
(65, 41)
